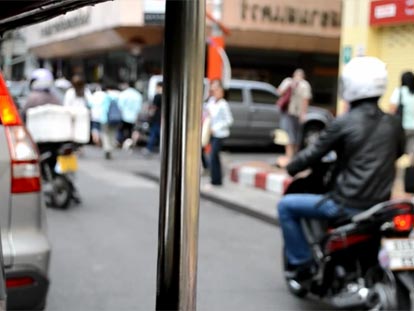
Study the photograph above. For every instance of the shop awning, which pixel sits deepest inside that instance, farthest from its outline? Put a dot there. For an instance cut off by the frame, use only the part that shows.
(15, 14)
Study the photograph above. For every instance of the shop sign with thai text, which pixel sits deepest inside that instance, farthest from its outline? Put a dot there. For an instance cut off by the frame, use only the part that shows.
(391, 12)
(311, 17)
(80, 18)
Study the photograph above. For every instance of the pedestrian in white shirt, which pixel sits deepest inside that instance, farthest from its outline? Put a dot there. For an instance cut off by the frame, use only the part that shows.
(78, 95)
(221, 119)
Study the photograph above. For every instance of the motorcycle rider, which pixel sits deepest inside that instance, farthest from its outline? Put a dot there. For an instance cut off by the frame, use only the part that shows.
(41, 93)
(367, 143)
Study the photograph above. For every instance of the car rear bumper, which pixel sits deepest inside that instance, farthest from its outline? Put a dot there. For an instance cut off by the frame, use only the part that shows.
(26, 288)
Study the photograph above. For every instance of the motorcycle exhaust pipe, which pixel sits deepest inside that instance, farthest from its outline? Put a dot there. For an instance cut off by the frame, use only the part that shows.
(356, 296)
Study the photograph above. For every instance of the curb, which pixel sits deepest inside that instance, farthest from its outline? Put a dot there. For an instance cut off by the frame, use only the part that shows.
(251, 176)
(222, 202)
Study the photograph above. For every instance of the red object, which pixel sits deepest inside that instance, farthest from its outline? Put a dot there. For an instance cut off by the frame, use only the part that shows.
(223, 28)
(8, 111)
(25, 185)
(19, 282)
(284, 100)
(403, 222)
(23, 151)
(234, 174)
(207, 149)
(339, 243)
(391, 12)
(260, 180)
(214, 62)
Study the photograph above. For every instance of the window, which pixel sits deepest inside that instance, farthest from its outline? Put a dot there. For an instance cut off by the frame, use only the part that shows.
(263, 97)
(235, 95)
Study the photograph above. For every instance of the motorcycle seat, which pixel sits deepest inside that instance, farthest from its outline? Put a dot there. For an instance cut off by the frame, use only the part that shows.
(339, 221)
(317, 229)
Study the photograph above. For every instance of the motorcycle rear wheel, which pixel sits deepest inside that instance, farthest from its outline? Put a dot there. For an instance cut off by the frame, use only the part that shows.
(390, 293)
(62, 193)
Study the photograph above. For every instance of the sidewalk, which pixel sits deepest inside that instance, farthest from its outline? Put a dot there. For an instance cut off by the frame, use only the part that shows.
(237, 197)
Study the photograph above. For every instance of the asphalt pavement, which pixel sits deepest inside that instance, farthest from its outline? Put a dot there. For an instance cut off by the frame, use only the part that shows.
(104, 251)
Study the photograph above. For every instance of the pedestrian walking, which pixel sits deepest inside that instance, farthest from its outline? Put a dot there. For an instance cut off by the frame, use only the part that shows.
(130, 103)
(402, 103)
(295, 94)
(62, 85)
(155, 121)
(97, 107)
(221, 119)
(111, 120)
(78, 95)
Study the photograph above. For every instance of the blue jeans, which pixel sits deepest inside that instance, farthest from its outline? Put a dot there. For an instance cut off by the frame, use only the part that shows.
(291, 209)
(215, 164)
(154, 136)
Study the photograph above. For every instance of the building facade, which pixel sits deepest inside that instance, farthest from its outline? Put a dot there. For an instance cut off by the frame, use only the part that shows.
(381, 28)
(268, 40)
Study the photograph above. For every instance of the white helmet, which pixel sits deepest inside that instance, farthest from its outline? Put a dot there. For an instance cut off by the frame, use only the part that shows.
(63, 84)
(42, 79)
(363, 77)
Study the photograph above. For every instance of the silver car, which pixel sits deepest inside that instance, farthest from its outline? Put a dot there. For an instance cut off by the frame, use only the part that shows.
(256, 116)
(26, 248)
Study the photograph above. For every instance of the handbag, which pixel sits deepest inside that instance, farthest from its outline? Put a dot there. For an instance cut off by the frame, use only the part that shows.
(206, 132)
(284, 100)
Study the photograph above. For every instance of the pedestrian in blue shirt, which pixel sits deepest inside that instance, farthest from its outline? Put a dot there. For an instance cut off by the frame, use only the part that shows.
(130, 103)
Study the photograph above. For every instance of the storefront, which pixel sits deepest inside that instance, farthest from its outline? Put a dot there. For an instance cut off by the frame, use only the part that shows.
(381, 28)
(268, 40)
(107, 41)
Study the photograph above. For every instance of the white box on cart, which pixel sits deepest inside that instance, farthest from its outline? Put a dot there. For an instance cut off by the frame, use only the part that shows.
(49, 123)
(53, 123)
(81, 124)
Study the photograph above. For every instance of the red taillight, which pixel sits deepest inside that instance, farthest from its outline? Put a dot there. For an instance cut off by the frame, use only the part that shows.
(24, 185)
(24, 160)
(19, 282)
(403, 222)
(8, 111)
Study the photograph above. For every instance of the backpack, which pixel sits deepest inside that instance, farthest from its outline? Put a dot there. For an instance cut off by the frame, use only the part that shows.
(114, 113)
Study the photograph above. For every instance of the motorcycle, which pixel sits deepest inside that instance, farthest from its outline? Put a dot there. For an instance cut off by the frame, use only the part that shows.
(362, 261)
(58, 185)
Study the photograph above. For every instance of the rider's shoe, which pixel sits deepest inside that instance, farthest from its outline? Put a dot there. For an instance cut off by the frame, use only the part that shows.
(301, 272)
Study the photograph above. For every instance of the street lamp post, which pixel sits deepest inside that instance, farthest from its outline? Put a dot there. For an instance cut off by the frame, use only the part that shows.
(181, 154)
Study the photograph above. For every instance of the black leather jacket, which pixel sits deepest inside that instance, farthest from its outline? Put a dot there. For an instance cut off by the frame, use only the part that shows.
(367, 142)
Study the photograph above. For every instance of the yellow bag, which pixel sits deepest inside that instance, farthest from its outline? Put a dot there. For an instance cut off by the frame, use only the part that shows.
(280, 137)
(206, 132)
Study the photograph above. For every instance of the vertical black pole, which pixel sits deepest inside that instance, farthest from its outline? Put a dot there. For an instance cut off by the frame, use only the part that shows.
(181, 154)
